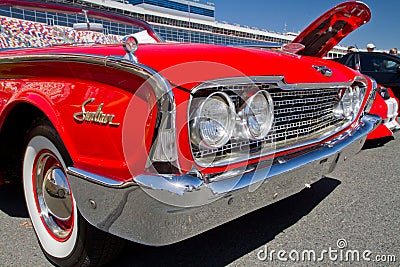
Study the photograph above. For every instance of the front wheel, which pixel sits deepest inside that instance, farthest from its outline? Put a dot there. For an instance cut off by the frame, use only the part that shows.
(64, 236)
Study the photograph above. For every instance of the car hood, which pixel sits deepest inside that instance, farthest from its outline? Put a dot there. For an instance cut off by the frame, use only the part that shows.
(188, 65)
(330, 28)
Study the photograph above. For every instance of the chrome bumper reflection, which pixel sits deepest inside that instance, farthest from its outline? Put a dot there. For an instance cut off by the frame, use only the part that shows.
(163, 210)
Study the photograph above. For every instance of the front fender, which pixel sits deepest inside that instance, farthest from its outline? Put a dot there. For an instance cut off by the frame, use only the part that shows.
(92, 131)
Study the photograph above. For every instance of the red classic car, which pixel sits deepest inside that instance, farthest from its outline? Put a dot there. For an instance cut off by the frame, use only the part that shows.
(123, 136)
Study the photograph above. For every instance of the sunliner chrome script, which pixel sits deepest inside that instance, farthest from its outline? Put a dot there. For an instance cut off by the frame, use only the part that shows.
(94, 116)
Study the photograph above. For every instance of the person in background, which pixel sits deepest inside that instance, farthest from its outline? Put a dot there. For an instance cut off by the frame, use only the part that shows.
(393, 51)
(351, 49)
(390, 65)
(370, 47)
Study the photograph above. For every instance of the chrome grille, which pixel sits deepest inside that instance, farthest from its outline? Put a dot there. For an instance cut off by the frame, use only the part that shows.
(301, 116)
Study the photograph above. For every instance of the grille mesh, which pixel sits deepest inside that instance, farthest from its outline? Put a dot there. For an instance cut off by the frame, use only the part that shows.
(301, 115)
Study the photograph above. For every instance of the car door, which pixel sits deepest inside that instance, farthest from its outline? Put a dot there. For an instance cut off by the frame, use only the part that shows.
(383, 68)
(350, 60)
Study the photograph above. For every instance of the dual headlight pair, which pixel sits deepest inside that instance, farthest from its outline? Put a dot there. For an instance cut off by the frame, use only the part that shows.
(350, 103)
(217, 118)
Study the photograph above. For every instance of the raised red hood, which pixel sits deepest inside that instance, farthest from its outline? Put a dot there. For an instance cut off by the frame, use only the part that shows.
(330, 28)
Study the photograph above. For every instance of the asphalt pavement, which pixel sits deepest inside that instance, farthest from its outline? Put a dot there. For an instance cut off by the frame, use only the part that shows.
(350, 217)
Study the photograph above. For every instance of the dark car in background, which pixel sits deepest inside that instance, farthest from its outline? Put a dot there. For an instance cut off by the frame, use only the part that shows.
(383, 67)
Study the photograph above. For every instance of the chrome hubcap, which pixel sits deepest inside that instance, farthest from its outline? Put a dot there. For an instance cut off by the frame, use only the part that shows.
(53, 195)
(56, 194)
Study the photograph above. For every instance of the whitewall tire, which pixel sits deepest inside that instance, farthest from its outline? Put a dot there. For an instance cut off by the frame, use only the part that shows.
(65, 237)
(54, 244)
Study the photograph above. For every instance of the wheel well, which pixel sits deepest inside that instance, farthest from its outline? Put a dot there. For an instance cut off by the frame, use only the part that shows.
(12, 139)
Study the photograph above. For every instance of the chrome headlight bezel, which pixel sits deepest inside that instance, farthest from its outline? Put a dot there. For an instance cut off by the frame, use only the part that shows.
(203, 120)
(372, 96)
(347, 103)
(350, 103)
(248, 113)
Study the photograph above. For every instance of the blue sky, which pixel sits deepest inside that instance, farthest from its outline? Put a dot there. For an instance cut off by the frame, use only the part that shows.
(383, 29)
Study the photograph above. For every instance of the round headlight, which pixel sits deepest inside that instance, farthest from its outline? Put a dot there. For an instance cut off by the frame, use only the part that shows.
(216, 120)
(347, 103)
(259, 115)
(356, 98)
(350, 103)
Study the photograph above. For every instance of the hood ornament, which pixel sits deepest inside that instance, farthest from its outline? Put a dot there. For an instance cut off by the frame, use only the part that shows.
(130, 44)
(324, 70)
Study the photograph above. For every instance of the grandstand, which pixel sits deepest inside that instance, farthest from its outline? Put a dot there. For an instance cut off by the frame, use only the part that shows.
(192, 21)
(22, 33)
(31, 28)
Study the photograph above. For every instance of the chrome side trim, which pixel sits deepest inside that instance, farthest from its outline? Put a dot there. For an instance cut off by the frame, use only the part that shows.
(146, 214)
(278, 80)
(97, 179)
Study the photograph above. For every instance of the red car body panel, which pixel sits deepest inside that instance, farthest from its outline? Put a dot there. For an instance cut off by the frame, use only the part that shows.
(380, 132)
(380, 108)
(81, 142)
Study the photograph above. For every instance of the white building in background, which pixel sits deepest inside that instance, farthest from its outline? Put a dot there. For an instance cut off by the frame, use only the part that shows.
(194, 21)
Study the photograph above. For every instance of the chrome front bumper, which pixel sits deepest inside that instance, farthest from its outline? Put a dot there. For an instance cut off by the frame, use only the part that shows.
(140, 211)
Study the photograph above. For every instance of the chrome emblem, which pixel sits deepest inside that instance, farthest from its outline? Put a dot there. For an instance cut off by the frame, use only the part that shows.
(95, 116)
(324, 70)
(130, 44)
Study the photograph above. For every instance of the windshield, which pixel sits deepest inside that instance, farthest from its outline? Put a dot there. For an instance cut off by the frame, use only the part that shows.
(39, 24)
